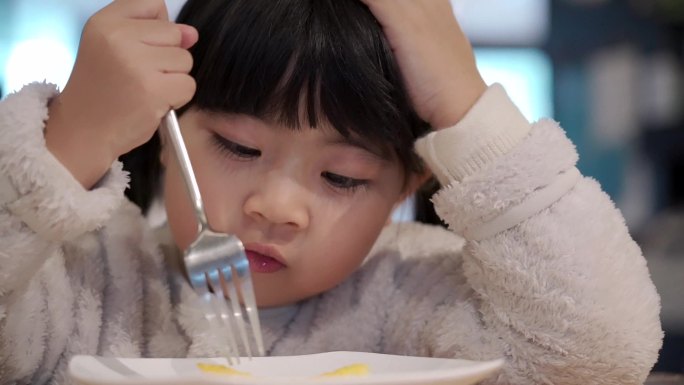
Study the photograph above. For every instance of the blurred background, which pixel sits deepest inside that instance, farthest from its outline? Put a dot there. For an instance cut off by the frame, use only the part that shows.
(610, 71)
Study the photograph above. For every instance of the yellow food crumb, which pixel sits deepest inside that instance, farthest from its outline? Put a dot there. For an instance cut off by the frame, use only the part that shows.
(221, 369)
(349, 370)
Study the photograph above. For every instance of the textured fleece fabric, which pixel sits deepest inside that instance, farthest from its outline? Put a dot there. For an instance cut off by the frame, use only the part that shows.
(564, 295)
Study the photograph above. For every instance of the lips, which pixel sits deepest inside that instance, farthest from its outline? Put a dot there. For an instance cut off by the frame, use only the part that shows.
(264, 258)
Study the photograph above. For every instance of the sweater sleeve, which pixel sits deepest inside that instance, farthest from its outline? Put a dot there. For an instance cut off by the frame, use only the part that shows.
(43, 210)
(557, 280)
(41, 204)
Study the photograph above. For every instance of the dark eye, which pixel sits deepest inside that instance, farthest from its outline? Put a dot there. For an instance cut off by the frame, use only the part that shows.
(343, 182)
(235, 150)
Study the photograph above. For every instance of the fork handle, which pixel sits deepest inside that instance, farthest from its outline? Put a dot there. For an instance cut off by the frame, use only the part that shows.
(170, 123)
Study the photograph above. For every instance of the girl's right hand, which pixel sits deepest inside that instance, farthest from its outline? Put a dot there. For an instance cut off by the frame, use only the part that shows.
(132, 67)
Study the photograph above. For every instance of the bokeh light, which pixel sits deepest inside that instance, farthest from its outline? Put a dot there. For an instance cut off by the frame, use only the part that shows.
(39, 59)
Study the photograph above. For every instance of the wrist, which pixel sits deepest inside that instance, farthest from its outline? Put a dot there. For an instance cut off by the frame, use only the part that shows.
(455, 103)
(76, 147)
(491, 128)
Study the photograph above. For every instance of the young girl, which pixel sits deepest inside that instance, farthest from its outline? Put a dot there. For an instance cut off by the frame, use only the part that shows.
(301, 132)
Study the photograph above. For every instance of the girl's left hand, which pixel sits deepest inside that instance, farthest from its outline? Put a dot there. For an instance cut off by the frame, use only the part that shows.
(434, 56)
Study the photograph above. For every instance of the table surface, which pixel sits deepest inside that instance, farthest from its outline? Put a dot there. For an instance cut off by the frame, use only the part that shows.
(665, 379)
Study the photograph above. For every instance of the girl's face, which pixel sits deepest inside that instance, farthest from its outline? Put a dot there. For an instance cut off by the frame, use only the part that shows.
(307, 204)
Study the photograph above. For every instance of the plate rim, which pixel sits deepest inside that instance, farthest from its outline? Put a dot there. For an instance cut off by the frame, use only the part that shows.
(483, 368)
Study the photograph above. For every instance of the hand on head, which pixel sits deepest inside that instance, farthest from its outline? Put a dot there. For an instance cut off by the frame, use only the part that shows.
(434, 56)
(132, 67)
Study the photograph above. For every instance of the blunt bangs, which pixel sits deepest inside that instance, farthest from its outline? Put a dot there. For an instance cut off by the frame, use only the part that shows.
(302, 63)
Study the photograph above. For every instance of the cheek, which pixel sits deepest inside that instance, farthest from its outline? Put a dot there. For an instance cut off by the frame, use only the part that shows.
(216, 190)
(181, 216)
(346, 243)
(222, 192)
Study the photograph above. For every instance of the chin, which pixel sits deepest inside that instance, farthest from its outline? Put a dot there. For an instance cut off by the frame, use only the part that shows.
(281, 299)
(276, 302)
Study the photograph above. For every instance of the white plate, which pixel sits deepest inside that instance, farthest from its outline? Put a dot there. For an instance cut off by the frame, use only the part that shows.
(384, 369)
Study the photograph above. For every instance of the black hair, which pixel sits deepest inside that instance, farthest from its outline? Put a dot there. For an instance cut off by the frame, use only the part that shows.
(298, 63)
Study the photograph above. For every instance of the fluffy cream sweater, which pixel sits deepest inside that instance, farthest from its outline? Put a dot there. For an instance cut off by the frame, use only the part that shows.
(539, 269)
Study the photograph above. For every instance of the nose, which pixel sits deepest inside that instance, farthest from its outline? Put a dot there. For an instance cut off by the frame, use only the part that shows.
(278, 201)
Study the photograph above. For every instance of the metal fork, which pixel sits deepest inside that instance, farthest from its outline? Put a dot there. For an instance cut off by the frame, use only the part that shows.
(214, 257)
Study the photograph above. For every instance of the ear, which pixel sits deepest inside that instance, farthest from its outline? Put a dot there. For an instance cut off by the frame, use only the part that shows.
(414, 182)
